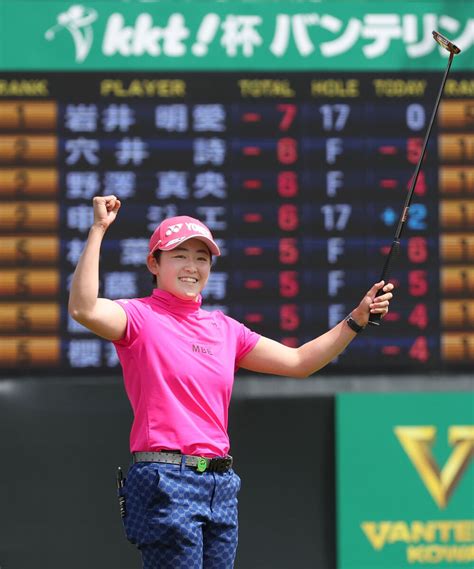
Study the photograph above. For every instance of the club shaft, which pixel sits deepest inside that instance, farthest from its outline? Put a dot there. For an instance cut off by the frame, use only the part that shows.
(375, 319)
(411, 191)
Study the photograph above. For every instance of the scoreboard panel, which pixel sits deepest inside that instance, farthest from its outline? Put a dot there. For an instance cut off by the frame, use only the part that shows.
(301, 177)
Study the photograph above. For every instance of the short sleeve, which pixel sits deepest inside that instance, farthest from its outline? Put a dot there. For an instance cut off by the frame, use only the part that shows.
(136, 313)
(246, 341)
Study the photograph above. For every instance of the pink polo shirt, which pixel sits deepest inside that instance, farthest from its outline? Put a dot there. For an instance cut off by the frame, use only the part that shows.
(178, 364)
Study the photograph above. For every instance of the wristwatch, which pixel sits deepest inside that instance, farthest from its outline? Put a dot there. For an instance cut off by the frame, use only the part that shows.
(353, 324)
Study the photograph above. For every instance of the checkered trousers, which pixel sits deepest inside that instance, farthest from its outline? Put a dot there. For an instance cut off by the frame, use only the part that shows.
(179, 518)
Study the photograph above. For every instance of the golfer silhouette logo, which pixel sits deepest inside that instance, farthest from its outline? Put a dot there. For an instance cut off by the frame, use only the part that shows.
(78, 21)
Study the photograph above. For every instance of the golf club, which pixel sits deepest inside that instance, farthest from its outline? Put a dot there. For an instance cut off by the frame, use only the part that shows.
(374, 319)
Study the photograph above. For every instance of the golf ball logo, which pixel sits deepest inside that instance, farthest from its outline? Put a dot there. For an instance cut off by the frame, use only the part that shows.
(77, 20)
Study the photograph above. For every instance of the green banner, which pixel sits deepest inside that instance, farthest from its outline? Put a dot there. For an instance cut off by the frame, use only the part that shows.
(237, 35)
(405, 480)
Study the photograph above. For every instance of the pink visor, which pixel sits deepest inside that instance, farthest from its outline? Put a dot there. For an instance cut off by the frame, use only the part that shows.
(175, 230)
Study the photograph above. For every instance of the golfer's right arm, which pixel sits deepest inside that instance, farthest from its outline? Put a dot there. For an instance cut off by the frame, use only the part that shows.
(100, 315)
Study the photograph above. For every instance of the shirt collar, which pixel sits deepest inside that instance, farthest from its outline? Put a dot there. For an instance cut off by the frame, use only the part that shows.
(172, 303)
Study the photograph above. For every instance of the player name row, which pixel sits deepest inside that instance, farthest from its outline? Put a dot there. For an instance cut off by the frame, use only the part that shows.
(223, 286)
(250, 184)
(241, 252)
(271, 117)
(221, 151)
(449, 314)
(362, 218)
(368, 352)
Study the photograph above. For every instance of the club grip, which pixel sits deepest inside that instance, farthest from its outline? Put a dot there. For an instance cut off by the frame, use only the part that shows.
(375, 319)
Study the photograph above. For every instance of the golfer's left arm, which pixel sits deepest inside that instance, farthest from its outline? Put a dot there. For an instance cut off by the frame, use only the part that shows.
(269, 356)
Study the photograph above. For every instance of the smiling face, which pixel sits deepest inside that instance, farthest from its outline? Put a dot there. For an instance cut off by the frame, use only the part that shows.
(184, 271)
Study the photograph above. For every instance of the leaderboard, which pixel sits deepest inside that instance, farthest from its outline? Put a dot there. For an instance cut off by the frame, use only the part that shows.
(301, 177)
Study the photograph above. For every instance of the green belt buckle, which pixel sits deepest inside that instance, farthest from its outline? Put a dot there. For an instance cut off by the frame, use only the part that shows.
(201, 465)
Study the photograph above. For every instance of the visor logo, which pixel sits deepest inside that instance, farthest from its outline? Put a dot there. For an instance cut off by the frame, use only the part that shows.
(198, 229)
(173, 229)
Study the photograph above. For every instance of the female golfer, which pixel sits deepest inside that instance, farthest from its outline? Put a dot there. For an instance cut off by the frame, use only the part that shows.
(178, 365)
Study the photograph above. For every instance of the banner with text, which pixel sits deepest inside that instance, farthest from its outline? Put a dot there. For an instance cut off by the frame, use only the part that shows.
(237, 35)
(405, 480)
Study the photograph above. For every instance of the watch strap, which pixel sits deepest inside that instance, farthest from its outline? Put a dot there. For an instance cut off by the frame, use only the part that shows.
(353, 324)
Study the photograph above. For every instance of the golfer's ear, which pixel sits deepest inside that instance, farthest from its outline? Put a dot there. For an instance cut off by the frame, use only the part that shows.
(152, 264)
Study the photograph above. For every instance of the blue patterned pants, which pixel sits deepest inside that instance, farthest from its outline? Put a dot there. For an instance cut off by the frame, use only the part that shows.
(179, 518)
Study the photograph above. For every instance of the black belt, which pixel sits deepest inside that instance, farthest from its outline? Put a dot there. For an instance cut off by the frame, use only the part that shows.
(200, 463)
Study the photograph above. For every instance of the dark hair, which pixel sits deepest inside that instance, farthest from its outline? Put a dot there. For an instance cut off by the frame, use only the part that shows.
(157, 256)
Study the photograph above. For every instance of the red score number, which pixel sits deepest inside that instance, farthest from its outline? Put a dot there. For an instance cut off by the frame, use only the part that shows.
(417, 283)
(288, 218)
(420, 188)
(419, 349)
(288, 251)
(419, 316)
(287, 150)
(289, 285)
(289, 317)
(287, 184)
(417, 250)
(289, 113)
(414, 147)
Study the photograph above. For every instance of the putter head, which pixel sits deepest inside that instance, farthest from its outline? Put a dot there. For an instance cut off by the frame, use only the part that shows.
(444, 42)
